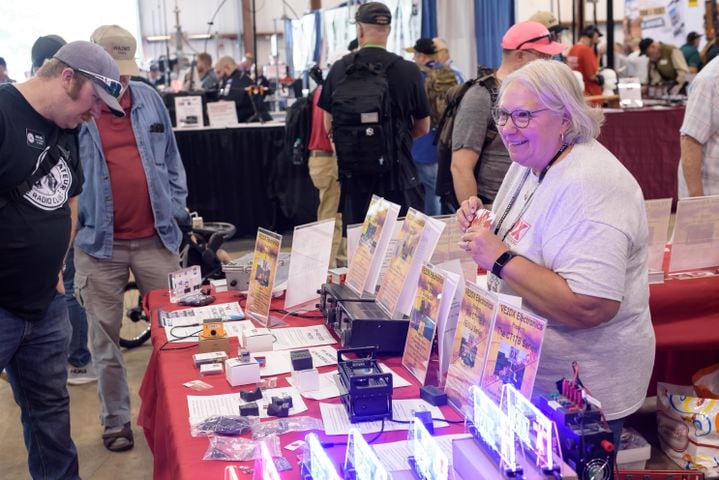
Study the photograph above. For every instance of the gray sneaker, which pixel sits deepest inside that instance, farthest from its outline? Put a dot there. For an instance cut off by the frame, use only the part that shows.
(81, 375)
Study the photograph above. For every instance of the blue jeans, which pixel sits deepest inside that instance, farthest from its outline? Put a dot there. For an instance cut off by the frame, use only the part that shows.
(78, 355)
(427, 174)
(34, 354)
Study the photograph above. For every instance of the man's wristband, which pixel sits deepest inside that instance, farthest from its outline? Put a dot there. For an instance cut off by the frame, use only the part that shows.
(501, 261)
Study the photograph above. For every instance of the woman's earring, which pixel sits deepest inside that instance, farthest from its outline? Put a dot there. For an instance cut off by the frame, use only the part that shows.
(561, 136)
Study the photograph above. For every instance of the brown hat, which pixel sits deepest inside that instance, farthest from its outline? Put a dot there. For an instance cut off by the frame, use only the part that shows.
(548, 19)
(373, 13)
(121, 46)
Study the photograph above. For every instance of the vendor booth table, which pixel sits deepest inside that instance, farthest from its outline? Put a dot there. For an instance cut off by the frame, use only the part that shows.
(164, 412)
(685, 314)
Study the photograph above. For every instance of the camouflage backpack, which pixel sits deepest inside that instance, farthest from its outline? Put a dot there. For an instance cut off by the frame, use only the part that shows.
(437, 82)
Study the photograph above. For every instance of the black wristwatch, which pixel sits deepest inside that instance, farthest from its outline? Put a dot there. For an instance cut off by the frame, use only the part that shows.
(501, 261)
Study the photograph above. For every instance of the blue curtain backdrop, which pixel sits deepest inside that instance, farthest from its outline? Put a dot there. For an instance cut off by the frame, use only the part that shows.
(429, 18)
(491, 19)
(318, 36)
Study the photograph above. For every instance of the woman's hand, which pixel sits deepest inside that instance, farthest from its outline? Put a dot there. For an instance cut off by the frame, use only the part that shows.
(467, 211)
(484, 246)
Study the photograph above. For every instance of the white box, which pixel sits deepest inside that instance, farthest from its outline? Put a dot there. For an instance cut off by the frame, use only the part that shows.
(219, 285)
(257, 339)
(209, 357)
(306, 380)
(238, 372)
(210, 368)
(634, 452)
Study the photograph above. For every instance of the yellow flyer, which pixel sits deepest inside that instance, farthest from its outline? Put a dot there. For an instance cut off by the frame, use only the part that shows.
(423, 322)
(262, 275)
(514, 350)
(474, 327)
(401, 262)
(361, 265)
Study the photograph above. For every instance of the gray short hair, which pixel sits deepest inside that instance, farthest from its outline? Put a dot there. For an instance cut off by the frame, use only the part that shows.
(557, 89)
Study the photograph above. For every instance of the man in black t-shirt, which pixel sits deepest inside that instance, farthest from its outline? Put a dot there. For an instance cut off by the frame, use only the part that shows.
(410, 111)
(39, 183)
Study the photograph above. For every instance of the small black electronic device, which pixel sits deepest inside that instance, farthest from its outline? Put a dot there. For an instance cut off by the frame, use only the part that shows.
(586, 442)
(301, 359)
(365, 323)
(281, 410)
(251, 395)
(433, 395)
(426, 418)
(283, 400)
(330, 294)
(367, 390)
(198, 300)
(250, 410)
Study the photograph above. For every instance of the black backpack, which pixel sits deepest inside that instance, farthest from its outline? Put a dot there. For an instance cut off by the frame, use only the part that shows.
(443, 138)
(362, 125)
(298, 125)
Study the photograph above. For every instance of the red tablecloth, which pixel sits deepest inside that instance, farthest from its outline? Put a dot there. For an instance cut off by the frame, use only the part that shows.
(164, 414)
(647, 143)
(685, 314)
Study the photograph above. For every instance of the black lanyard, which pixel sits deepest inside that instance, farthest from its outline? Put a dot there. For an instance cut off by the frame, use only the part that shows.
(529, 200)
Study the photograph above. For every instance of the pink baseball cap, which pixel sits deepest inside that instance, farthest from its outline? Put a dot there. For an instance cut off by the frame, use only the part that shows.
(531, 36)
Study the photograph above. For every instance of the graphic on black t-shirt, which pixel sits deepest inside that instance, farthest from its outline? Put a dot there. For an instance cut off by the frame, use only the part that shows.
(51, 191)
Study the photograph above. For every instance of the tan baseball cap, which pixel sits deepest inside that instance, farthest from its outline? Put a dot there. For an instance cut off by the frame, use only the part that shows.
(440, 44)
(121, 46)
(548, 19)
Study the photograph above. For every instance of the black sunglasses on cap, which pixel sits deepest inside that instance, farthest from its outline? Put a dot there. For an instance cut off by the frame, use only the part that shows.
(548, 36)
(113, 87)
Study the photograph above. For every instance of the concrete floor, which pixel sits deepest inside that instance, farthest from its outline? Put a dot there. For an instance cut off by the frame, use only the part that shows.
(96, 463)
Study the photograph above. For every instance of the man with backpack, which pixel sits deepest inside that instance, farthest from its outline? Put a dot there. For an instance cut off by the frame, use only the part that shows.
(376, 106)
(438, 79)
(479, 157)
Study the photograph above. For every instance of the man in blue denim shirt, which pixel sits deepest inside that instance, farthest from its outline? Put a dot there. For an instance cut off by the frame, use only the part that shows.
(129, 211)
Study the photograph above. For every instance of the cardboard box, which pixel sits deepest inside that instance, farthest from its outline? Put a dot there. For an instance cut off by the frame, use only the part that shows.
(238, 372)
(257, 339)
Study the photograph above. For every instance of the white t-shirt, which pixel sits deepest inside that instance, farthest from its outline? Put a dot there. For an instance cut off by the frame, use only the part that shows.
(586, 222)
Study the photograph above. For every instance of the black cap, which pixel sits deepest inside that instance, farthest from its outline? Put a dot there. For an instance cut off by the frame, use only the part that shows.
(423, 45)
(45, 48)
(373, 13)
(692, 36)
(644, 44)
(590, 30)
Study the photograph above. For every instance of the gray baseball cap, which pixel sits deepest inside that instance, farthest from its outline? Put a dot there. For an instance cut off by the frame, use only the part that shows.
(92, 61)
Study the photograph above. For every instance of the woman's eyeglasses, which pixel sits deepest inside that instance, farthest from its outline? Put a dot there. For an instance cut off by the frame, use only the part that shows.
(520, 118)
(113, 87)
